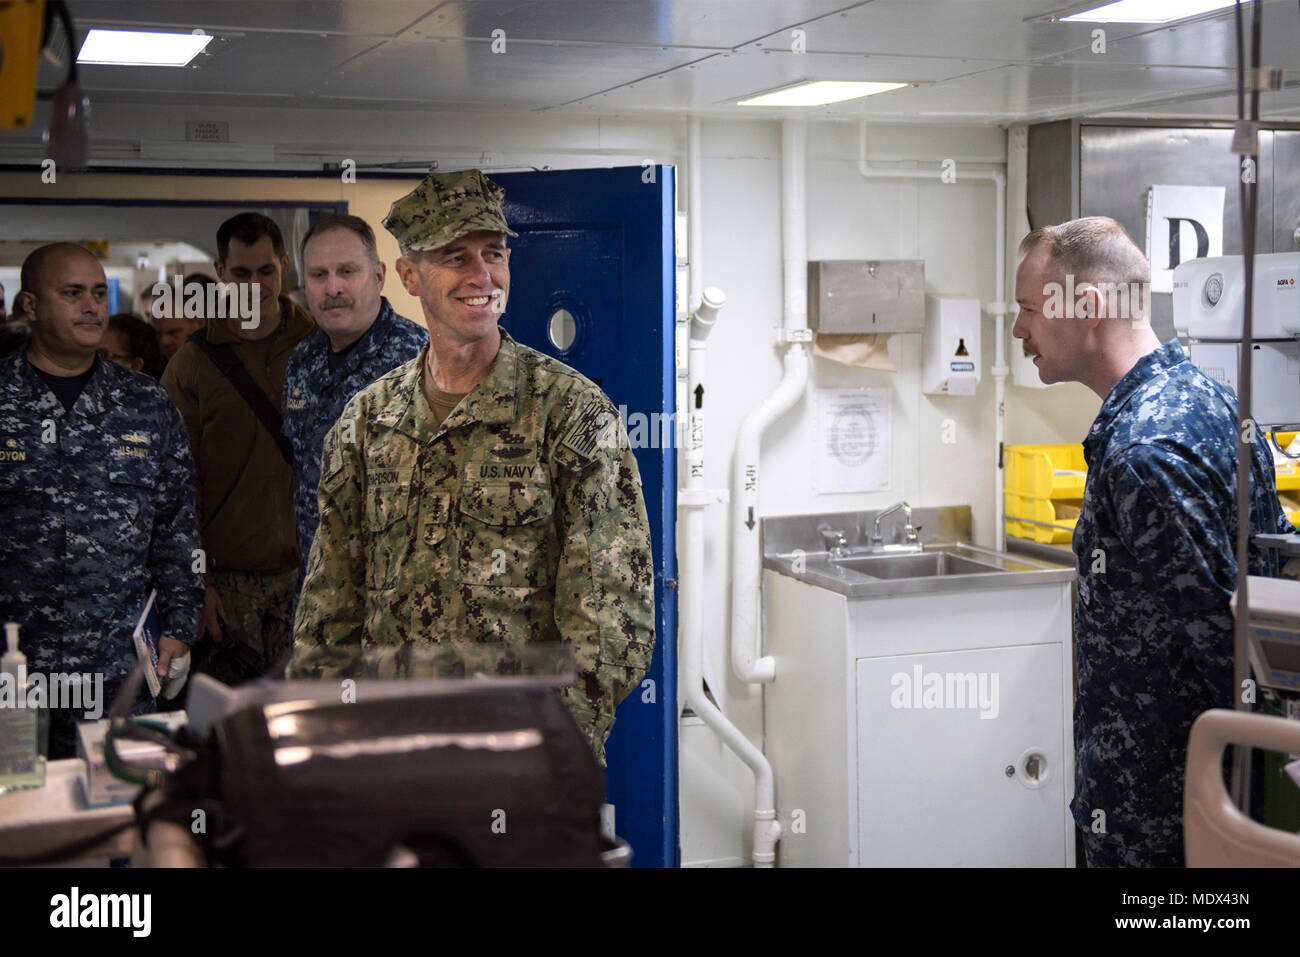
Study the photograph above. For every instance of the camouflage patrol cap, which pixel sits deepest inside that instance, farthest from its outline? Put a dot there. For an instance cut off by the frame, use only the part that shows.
(446, 206)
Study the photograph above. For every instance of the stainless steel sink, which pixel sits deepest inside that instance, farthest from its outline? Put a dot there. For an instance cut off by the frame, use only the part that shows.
(941, 568)
(921, 565)
(833, 551)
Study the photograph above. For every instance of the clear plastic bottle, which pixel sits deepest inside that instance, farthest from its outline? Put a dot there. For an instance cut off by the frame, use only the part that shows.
(21, 763)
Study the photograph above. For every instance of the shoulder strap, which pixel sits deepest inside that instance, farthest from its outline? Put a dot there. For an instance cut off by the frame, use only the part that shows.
(228, 364)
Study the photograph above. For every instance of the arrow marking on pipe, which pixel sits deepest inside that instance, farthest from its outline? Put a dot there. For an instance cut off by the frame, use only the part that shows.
(750, 524)
(699, 397)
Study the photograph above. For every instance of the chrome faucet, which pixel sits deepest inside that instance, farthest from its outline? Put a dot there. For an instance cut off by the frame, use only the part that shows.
(911, 543)
(835, 540)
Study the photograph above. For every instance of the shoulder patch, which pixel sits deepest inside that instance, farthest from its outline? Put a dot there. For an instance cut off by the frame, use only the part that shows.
(333, 465)
(584, 435)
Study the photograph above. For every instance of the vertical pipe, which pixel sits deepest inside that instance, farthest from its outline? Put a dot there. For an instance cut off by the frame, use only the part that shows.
(692, 501)
(746, 562)
(694, 217)
(999, 308)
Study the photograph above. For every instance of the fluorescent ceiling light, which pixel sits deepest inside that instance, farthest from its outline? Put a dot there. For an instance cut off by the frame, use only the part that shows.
(137, 48)
(1146, 11)
(818, 93)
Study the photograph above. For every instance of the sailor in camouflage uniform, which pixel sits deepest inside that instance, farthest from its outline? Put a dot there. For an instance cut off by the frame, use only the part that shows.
(96, 492)
(358, 338)
(1155, 541)
(469, 495)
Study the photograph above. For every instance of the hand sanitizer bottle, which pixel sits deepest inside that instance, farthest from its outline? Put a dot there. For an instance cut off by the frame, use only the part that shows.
(21, 763)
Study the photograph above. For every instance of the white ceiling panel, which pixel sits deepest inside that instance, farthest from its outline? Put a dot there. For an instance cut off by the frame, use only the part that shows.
(244, 65)
(1045, 92)
(1207, 43)
(980, 30)
(526, 76)
(360, 17)
(959, 91)
(974, 61)
(720, 80)
(716, 24)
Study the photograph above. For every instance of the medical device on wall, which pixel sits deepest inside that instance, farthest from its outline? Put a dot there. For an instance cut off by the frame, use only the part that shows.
(1274, 633)
(1208, 300)
(950, 344)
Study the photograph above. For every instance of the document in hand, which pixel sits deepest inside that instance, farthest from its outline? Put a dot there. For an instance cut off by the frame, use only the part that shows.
(146, 634)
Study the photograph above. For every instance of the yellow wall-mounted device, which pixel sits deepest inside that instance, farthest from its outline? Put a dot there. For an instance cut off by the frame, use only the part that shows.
(21, 22)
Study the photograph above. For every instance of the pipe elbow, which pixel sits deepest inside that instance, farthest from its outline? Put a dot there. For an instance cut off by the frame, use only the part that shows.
(762, 671)
(706, 314)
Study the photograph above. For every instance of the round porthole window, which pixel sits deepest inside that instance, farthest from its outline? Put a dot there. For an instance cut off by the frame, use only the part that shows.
(562, 329)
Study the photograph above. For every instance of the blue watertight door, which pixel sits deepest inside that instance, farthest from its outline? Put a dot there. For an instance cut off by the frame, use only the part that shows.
(594, 264)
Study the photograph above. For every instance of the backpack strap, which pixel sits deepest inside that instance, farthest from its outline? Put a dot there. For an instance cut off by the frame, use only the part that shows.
(227, 362)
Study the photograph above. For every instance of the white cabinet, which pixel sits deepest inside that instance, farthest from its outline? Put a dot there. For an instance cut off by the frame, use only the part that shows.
(932, 784)
(893, 722)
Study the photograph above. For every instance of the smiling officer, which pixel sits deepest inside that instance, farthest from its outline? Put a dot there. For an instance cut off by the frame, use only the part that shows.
(466, 497)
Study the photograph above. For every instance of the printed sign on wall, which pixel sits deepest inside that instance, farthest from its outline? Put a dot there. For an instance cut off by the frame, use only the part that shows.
(853, 440)
(1183, 222)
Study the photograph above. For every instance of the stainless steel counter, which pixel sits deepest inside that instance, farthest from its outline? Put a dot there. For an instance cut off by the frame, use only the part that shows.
(794, 546)
(1052, 554)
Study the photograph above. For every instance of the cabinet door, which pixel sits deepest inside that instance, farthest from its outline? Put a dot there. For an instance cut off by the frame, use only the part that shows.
(936, 735)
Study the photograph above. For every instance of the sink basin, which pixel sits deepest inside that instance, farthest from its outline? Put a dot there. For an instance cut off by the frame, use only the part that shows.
(797, 547)
(922, 565)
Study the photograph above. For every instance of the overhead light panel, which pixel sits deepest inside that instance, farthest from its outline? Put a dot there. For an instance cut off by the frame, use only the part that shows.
(138, 48)
(818, 93)
(1146, 11)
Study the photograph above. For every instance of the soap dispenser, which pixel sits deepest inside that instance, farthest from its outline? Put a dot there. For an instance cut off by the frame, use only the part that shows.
(21, 763)
(950, 361)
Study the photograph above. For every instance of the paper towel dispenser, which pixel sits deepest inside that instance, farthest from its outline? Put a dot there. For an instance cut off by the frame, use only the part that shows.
(847, 296)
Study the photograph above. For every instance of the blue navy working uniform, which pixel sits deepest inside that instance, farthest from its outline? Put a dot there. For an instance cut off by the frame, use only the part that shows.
(318, 384)
(1156, 550)
(96, 509)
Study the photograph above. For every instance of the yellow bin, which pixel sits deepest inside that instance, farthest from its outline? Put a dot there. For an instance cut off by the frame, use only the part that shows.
(1044, 483)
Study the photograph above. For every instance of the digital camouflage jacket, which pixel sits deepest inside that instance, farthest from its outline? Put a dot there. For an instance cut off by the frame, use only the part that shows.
(1156, 547)
(511, 522)
(314, 398)
(96, 509)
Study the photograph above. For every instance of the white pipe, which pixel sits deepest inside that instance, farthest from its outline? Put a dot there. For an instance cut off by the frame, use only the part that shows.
(766, 829)
(746, 562)
(1000, 308)
(746, 585)
(694, 216)
(692, 500)
(997, 308)
(865, 168)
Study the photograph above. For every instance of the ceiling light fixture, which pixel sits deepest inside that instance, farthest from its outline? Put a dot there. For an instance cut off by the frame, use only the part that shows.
(818, 93)
(1145, 11)
(138, 48)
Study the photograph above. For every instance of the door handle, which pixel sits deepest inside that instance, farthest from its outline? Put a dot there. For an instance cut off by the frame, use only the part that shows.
(1031, 769)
